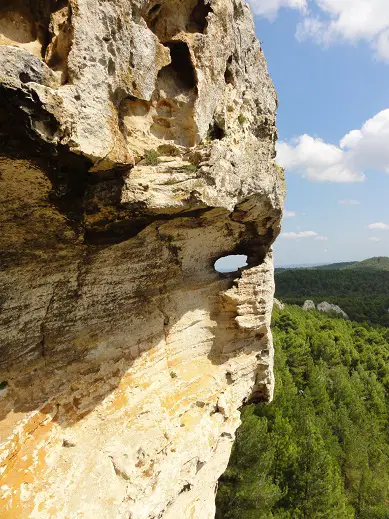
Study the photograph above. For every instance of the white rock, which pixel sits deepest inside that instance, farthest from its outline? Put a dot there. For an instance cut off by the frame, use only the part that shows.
(329, 308)
(309, 305)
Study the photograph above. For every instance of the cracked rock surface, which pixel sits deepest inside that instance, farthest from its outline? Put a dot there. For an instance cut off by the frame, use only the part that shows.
(137, 145)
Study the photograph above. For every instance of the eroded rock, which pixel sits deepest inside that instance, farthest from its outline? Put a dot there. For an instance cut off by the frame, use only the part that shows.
(137, 148)
(330, 308)
(309, 305)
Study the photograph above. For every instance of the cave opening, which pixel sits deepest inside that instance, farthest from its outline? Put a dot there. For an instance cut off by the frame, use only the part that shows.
(215, 132)
(181, 64)
(24, 24)
(198, 20)
(42, 28)
(230, 263)
(228, 74)
(154, 10)
(151, 17)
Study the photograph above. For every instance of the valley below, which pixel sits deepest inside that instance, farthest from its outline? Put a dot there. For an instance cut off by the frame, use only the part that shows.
(321, 448)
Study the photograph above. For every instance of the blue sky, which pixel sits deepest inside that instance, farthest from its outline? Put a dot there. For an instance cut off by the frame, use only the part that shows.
(332, 77)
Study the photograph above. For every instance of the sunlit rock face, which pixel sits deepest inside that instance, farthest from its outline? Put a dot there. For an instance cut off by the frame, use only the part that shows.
(137, 148)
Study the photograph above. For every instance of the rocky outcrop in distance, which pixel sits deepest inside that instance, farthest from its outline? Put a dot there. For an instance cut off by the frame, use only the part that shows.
(309, 305)
(329, 308)
(137, 147)
(325, 307)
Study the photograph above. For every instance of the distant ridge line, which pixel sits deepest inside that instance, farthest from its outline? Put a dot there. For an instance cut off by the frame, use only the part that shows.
(375, 263)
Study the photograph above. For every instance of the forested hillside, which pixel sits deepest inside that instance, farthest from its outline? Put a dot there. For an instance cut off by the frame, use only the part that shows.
(376, 263)
(362, 294)
(321, 449)
(335, 266)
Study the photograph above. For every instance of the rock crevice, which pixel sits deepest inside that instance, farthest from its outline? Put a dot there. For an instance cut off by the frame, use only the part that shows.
(141, 150)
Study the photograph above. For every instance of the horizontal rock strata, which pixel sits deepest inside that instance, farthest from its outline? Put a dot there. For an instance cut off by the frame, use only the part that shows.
(137, 148)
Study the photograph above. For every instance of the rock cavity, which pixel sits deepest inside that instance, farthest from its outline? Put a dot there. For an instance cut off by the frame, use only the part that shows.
(137, 148)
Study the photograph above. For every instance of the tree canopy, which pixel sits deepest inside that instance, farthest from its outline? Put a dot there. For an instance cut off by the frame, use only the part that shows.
(320, 450)
(362, 294)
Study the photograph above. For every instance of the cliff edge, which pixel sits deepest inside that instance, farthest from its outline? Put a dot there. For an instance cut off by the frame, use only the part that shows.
(137, 147)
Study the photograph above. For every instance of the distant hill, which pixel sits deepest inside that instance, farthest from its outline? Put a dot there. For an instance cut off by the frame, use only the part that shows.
(377, 263)
(337, 266)
(360, 289)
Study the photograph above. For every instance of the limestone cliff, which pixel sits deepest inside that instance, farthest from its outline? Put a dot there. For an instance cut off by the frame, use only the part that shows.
(137, 147)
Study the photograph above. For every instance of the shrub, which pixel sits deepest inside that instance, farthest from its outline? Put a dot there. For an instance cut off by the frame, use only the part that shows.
(152, 157)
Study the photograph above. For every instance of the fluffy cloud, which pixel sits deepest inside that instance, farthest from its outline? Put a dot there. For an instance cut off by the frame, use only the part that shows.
(349, 202)
(289, 214)
(357, 151)
(381, 226)
(337, 20)
(374, 238)
(269, 8)
(303, 234)
(351, 21)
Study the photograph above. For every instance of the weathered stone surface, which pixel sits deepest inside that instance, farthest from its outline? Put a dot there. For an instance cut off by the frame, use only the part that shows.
(137, 147)
(309, 305)
(329, 308)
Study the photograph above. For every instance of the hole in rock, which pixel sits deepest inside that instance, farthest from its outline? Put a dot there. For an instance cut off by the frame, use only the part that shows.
(154, 9)
(19, 26)
(3, 385)
(231, 263)
(215, 132)
(260, 395)
(152, 16)
(228, 74)
(181, 63)
(24, 77)
(43, 28)
(198, 17)
(17, 22)
(169, 116)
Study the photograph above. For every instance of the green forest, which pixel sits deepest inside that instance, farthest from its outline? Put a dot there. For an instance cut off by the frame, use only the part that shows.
(377, 263)
(320, 450)
(362, 293)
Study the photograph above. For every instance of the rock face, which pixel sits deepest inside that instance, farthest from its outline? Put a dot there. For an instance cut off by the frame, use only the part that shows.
(329, 308)
(309, 305)
(324, 307)
(137, 147)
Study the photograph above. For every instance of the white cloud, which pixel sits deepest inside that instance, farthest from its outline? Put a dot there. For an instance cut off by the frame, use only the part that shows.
(357, 151)
(349, 202)
(374, 238)
(381, 45)
(269, 8)
(350, 21)
(297, 235)
(368, 147)
(303, 234)
(316, 160)
(379, 225)
(289, 214)
(336, 21)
